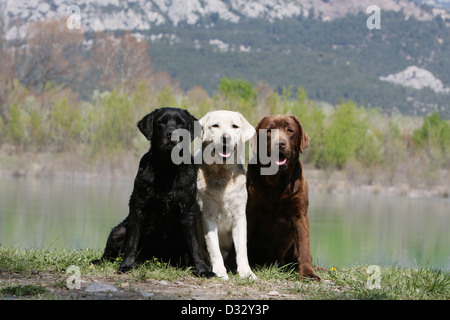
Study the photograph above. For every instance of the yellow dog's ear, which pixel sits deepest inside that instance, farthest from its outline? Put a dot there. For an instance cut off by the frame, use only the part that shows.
(248, 131)
(206, 133)
(304, 138)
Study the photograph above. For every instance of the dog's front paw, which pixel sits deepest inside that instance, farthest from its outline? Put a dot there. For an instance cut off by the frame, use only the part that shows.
(95, 261)
(124, 268)
(223, 276)
(306, 271)
(247, 274)
(221, 273)
(202, 270)
(206, 273)
(251, 275)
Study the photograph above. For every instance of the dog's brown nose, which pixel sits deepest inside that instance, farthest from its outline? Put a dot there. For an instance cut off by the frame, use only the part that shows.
(281, 143)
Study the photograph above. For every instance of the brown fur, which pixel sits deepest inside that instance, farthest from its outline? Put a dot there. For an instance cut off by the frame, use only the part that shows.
(278, 226)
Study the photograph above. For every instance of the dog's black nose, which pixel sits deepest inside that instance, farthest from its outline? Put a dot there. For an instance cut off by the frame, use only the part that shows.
(226, 138)
(173, 135)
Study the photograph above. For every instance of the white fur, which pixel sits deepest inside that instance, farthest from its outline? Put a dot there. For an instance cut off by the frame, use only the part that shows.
(222, 195)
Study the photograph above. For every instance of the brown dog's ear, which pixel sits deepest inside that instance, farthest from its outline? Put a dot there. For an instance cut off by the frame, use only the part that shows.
(304, 138)
(260, 122)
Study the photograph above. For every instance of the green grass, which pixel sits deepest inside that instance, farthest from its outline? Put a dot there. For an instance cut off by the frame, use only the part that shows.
(396, 283)
(23, 290)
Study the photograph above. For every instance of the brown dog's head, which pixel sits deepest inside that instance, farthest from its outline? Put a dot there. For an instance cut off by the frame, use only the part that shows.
(290, 139)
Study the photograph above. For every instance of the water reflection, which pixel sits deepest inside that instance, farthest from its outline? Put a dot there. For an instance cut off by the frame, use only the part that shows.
(383, 230)
(75, 214)
(345, 229)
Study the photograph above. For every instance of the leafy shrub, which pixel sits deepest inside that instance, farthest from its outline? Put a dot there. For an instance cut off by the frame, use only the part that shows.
(345, 134)
(434, 138)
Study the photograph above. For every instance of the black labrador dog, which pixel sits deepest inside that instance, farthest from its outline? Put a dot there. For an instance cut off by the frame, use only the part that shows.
(162, 220)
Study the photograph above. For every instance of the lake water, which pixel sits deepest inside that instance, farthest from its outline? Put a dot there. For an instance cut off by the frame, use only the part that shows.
(345, 229)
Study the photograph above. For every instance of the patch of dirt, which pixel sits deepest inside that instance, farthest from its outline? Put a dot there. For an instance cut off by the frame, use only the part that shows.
(127, 288)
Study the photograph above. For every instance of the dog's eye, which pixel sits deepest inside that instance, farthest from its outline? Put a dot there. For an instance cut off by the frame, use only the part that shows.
(215, 125)
(290, 130)
(235, 126)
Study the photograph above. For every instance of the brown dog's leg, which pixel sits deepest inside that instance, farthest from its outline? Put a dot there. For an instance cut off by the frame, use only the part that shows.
(301, 247)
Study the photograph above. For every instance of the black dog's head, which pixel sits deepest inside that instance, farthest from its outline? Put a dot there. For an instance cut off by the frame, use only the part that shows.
(159, 127)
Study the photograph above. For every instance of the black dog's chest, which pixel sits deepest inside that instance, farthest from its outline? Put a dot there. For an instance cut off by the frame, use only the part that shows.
(169, 202)
(161, 218)
(164, 206)
(166, 186)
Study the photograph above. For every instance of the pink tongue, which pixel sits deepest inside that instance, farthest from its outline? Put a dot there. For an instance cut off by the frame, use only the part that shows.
(282, 162)
(225, 155)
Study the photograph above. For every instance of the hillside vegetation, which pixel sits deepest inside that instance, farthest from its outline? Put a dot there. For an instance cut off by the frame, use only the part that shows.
(330, 59)
(372, 147)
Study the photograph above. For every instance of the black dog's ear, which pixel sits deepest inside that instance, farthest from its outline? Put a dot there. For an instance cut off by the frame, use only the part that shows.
(145, 125)
(193, 122)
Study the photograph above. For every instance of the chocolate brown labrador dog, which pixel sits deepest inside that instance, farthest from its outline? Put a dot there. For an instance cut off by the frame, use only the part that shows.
(278, 226)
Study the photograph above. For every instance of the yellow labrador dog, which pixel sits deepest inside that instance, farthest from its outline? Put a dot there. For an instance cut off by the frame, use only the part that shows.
(221, 189)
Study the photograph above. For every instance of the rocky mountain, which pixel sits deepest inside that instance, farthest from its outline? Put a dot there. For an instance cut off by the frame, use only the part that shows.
(445, 4)
(417, 78)
(99, 15)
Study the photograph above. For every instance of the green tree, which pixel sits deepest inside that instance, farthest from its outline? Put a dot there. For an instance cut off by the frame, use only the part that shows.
(114, 122)
(239, 96)
(2, 131)
(38, 135)
(369, 152)
(434, 138)
(66, 124)
(394, 149)
(15, 130)
(345, 134)
(142, 99)
(237, 89)
(312, 119)
(166, 98)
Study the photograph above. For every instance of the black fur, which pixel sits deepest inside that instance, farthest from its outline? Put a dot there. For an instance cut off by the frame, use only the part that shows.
(162, 218)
